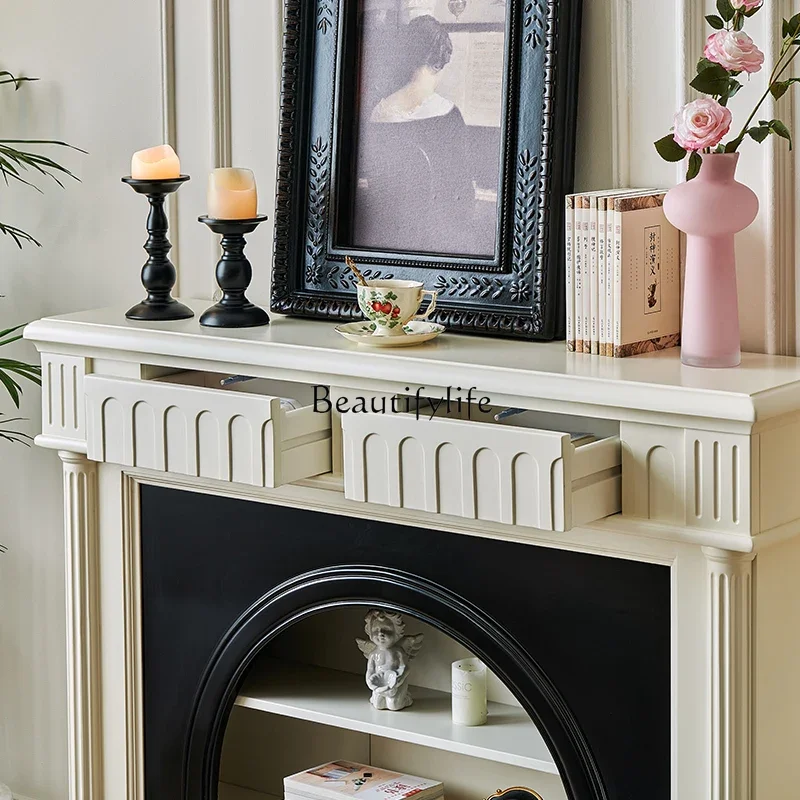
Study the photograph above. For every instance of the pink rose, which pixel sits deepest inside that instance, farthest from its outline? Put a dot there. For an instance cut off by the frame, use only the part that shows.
(702, 124)
(746, 5)
(734, 50)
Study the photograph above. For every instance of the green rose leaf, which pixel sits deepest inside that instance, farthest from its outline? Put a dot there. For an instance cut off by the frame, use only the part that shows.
(712, 80)
(726, 10)
(669, 149)
(778, 128)
(695, 162)
(733, 88)
(704, 63)
(717, 23)
(794, 26)
(759, 134)
(738, 22)
(779, 88)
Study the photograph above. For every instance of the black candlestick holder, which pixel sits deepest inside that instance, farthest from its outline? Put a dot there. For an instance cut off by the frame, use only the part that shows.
(234, 273)
(158, 274)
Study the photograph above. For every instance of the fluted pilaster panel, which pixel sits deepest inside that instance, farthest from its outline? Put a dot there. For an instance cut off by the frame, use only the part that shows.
(83, 629)
(730, 583)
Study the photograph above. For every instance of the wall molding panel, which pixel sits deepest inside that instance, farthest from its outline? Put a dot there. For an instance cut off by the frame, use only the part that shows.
(621, 67)
(779, 205)
(169, 118)
(690, 35)
(220, 30)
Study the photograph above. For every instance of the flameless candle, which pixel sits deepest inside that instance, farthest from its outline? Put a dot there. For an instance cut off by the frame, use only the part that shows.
(469, 692)
(155, 164)
(232, 194)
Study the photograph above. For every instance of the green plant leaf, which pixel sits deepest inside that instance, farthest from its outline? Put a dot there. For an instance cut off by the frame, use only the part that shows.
(738, 22)
(717, 23)
(704, 63)
(12, 387)
(759, 133)
(733, 88)
(695, 162)
(779, 88)
(19, 236)
(712, 80)
(726, 10)
(778, 128)
(793, 27)
(669, 149)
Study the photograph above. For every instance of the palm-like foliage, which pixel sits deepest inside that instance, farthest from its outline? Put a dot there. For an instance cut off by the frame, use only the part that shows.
(18, 165)
(11, 372)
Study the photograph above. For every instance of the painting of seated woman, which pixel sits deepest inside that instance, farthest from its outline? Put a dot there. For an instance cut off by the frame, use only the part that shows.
(428, 144)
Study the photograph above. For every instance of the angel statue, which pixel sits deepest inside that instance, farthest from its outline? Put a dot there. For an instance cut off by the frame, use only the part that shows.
(389, 654)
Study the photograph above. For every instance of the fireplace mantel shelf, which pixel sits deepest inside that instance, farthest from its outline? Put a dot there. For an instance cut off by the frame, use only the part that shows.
(763, 387)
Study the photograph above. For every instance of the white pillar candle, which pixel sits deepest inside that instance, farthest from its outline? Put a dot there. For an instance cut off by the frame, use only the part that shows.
(232, 194)
(469, 692)
(156, 163)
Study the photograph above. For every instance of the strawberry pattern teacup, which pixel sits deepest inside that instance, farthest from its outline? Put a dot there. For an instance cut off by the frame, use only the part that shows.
(392, 304)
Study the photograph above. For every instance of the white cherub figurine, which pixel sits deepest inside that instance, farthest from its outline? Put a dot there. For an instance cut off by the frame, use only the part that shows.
(389, 654)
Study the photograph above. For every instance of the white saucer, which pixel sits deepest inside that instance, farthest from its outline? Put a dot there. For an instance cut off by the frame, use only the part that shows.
(416, 332)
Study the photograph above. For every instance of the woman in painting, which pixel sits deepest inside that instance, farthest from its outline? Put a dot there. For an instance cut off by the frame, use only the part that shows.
(416, 190)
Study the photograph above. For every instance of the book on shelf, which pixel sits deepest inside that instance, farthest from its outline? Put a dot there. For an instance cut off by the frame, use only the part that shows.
(623, 273)
(338, 780)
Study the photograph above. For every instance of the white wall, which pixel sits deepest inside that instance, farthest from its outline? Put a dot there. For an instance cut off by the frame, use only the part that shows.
(100, 88)
(103, 89)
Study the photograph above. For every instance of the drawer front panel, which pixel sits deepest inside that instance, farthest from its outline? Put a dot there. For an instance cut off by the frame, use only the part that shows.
(204, 433)
(466, 469)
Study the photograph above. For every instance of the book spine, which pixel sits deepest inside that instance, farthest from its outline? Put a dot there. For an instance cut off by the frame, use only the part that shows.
(617, 281)
(569, 270)
(608, 233)
(601, 276)
(587, 277)
(594, 297)
(578, 259)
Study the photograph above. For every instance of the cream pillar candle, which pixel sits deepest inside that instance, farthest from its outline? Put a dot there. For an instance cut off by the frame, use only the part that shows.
(156, 163)
(469, 692)
(232, 194)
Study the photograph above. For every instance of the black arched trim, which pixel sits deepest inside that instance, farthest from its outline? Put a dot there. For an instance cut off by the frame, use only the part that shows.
(318, 591)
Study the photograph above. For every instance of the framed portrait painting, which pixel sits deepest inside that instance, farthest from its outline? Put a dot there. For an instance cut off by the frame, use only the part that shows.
(429, 140)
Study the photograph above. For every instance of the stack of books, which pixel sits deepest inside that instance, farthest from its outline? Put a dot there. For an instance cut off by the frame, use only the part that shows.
(340, 780)
(623, 273)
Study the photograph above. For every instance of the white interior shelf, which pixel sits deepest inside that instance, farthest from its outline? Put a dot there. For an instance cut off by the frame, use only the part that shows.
(341, 700)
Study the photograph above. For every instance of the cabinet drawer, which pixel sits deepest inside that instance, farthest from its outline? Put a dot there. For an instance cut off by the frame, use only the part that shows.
(189, 424)
(482, 470)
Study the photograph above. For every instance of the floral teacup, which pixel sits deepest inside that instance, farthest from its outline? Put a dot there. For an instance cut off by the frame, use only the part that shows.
(391, 304)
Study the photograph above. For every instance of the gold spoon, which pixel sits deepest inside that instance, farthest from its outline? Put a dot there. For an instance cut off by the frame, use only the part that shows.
(356, 271)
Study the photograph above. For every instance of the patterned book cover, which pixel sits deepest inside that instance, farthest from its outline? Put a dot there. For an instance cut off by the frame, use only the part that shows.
(348, 779)
(647, 287)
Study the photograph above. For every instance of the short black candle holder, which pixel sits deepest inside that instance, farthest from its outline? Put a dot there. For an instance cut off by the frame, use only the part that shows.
(234, 273)
(158, 274)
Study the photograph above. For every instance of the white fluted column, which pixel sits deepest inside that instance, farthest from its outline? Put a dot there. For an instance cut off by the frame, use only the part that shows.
(730, 584)
(83, 626)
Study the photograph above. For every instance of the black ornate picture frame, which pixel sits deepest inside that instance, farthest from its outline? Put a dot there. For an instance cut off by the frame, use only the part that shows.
(517, 292)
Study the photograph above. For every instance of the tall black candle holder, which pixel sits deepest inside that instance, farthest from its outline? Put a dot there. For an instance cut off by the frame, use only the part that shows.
(234, 273)
(158, 274)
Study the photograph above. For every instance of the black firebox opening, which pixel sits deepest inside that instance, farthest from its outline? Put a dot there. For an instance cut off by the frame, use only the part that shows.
(582, 640)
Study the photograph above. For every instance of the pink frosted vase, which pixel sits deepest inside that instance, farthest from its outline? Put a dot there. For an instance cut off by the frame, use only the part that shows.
(711, 210)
